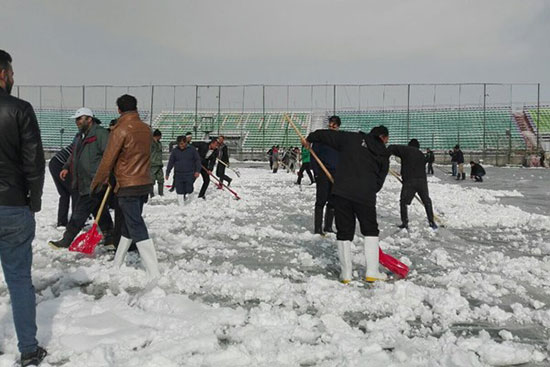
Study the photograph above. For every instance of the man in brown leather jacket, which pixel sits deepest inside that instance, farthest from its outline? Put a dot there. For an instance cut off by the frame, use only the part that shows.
(128, 152)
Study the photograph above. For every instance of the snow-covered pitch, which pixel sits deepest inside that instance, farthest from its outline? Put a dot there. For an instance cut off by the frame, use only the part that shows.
(246, 283)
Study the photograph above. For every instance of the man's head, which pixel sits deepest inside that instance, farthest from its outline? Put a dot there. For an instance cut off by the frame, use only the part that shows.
(182, 142)
(6, 72)
(157, 135)
(382, 133)
(334, 123)
(126, 103)
(221, 139)
(472, 163)
(83, 119)
(457, 147)
(414, 143)
(188, 136)
(214, 144)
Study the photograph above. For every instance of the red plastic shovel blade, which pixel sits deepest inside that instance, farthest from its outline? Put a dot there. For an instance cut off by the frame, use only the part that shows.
(393, 265)
(86, 242)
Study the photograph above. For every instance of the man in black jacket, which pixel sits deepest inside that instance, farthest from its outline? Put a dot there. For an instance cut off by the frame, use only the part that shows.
(22, 168)
(208, 153)
(323, 187)
(430, 159)
(414, 178)
(223, 156)
(362, 169)
(477, 171)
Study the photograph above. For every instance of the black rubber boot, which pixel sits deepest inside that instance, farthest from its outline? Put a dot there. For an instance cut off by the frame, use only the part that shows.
(161, 188)
(329, 218)
(318, 220)
(65, 242)
(34, 358)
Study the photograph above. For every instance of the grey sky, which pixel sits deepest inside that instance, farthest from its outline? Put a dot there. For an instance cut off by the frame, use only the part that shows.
(283, 41)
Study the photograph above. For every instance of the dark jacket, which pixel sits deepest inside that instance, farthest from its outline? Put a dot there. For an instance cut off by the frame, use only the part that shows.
(22, 163)
(156, 154)
(86, 156)
(413, 162)
(430, 157)
(363, 163)
(185, 162)
(459, 157)
(477, 170)
(202, 149)
(223, 154)
(327, 155)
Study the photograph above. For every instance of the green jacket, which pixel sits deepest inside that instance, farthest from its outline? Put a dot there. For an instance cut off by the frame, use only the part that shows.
(86, 157)
(156, 154)
(306, 157)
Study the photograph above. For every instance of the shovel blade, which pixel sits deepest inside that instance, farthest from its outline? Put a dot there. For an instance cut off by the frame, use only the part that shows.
(86, 242)
(393, 265)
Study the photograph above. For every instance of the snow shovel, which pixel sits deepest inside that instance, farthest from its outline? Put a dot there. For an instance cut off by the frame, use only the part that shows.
(392, 264)
(232, 169)
(87, 241)
(222, 184)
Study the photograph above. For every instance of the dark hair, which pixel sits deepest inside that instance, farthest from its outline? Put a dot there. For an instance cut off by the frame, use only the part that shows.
(5, 60)
(335, 119)
(157, 133)
(96, 120)
(181, 138)
(472, 162)
(457, 146)
(188, 133)
(380, 131)
(113, 122)
(126, 103)
(414, 143)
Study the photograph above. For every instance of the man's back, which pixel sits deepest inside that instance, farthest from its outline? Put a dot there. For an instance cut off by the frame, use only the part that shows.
(413, 161)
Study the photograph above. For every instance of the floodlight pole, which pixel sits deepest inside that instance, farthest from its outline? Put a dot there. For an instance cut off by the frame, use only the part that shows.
(196, 109)
(152, 100)
(538, 117)
(409, 111)
(219, 106)
(334, 100)
(484, 119)
(83, 96)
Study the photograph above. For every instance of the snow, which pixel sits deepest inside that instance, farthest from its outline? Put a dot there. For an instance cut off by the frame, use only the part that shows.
(246, 283)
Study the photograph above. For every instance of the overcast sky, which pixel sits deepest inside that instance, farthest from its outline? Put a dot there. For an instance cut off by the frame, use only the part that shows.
(278, 41)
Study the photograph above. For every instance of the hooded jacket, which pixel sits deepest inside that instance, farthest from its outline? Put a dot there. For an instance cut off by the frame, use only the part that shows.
(363, 163)
(413, 162)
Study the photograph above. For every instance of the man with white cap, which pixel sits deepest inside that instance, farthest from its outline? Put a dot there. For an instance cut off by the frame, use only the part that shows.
(89, 147)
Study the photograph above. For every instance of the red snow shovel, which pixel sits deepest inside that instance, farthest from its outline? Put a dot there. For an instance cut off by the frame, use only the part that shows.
(392, 264)
(221, 184)
(87, 242)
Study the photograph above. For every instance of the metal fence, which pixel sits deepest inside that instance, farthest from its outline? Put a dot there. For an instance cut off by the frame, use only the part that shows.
(319, 101)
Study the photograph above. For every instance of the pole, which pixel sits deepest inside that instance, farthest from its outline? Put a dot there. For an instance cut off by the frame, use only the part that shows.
(484, 119)
(334, 100)
(409, 111)
(83, 96)
(538, 117)
(458, 125)
(17, 91)
(105, 96)
(219, 106)
(152, 101)
(263, 118)
(196, 110)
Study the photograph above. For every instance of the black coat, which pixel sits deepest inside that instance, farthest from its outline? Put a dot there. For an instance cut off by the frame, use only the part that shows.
(477, 170)
(223, 154)
(459, 157)
(327, 155)
(363, 163)
(22, 163)
(430, 157)
(202, 148)
(413, 162)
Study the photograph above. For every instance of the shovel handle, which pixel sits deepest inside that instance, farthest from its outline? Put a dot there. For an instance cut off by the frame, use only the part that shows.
(105, 197)
(331, 179)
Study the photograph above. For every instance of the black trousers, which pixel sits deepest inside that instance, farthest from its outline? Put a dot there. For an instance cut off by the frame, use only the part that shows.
(67, 196)
(347, 212)
(305, 167)
(119, 224)
(205, 182)
(323, 197)
(133, 226)
(409, 189)
(86, 205)
(430, 168)
(220, 172)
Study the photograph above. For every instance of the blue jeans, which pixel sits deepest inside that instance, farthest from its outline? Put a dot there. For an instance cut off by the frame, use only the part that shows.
(17, 228)
(133, 227)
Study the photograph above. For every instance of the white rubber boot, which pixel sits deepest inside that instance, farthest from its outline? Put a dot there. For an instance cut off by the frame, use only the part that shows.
(344, 255)
(148, 255)
(181, 200)
(121, 251)
(372, 255)
(188, 198)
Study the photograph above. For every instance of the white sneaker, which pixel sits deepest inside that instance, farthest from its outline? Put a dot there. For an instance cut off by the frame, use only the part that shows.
(372, 259)
(344, 255)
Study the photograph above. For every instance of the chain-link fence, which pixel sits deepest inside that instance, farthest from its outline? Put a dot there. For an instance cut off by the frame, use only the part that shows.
(482, 117)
